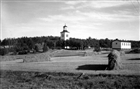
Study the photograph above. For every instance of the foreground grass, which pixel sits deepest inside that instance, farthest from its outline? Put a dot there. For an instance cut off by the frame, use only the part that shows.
(59, 80)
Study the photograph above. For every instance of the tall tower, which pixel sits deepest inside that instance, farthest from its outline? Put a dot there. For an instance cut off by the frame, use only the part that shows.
(64, 33)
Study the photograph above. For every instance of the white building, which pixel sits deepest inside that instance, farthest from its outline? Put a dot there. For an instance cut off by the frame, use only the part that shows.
(64, 33)
(121, 45)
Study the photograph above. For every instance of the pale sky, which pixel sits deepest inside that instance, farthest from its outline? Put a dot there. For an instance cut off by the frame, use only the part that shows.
(85, 18)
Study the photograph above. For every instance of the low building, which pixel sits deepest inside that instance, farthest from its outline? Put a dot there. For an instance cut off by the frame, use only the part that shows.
(117, 44)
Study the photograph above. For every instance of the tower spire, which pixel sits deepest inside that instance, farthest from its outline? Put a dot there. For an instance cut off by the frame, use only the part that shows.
(65, 27)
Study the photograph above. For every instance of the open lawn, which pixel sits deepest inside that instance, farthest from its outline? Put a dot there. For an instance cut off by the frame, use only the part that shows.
(75, 63)
(69, 67)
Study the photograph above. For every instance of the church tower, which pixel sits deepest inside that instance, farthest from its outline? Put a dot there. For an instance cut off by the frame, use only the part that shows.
(64, 33)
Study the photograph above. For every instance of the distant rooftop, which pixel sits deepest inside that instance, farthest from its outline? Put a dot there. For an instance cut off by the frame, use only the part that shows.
(120, 40)
(64, 31)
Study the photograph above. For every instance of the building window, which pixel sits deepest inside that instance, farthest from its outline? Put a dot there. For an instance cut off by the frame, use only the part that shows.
(62, 35)
(67, 35)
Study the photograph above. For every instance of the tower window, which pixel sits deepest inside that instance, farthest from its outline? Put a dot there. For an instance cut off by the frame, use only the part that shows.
(67, 35)
(62, 35)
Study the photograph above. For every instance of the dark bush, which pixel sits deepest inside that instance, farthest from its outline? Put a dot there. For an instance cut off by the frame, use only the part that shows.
(45, 48)
(23, 52)
(97, 49)
(3, 51)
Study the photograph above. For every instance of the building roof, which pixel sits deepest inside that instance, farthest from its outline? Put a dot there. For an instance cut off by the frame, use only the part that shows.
(116, 40)
(64, 31)
(121, 41)
(64, 26)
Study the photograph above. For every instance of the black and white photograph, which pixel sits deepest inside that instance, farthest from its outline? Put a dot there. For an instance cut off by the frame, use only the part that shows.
(69, 44)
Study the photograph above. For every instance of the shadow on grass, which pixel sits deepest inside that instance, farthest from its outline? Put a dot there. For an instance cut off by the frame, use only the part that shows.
(134, 59)
(92, 67)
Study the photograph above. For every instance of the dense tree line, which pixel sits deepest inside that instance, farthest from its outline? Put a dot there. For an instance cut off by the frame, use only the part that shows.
(42, 44)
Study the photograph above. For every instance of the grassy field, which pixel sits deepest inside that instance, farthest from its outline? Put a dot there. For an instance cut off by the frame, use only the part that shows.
(61, 80)
(63, 70)
(27, 58)
(38, 57)
(65, 53)
(70, 62)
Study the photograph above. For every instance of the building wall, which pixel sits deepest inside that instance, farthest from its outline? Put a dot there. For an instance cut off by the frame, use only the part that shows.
(62, 36)
(121, 45)
(116, 45)
(125, 45)
(65, 36)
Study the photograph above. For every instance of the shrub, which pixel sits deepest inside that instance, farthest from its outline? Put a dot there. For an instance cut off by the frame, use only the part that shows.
(97, 49)
(3, 51)
(45, 48)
